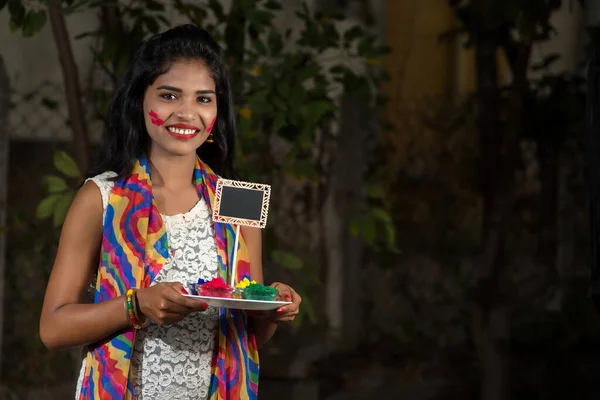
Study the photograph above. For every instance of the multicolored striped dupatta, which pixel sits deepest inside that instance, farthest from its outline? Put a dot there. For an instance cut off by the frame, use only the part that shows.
(134, 249)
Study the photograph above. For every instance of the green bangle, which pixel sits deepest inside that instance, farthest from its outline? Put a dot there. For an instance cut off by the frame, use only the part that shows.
(130, 309)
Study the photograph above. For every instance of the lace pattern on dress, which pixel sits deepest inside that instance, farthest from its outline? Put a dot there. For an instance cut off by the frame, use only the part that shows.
(174, 362)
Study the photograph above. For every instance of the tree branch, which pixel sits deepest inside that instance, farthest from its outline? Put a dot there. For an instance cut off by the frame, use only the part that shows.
(4, 153)
(71, 80)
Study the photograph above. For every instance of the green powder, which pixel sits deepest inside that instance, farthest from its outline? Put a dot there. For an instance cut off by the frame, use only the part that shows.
(256, 291)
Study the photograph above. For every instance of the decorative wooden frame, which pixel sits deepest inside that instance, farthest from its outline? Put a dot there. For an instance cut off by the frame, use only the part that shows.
(266, 189)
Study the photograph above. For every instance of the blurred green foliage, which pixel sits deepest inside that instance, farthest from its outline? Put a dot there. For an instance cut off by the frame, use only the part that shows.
(286, 84)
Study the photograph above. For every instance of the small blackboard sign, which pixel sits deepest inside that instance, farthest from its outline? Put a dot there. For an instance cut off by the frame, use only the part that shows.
(241, 203)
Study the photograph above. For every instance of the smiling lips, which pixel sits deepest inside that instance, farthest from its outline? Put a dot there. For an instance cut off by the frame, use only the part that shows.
(183, 131)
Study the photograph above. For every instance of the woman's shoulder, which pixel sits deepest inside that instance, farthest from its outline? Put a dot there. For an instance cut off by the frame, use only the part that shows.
(107, 177)
(105, 182)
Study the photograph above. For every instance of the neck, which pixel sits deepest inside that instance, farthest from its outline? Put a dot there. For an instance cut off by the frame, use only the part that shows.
(171, 171)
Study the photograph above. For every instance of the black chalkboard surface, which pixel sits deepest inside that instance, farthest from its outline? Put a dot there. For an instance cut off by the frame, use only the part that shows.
(241, 203)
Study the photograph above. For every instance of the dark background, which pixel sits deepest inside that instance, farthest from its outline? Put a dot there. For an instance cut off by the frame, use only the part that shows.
(428, 166)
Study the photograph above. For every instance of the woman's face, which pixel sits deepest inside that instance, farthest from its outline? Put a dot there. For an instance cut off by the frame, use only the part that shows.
(180, 108)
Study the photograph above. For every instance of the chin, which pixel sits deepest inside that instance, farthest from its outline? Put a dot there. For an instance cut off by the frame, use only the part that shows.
(178, 149)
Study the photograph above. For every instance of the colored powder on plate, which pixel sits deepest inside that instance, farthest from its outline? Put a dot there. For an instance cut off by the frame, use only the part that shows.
(256, 290)
(216, 283)
(244, 284)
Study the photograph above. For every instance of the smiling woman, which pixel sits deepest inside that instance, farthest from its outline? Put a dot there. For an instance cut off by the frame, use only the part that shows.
(141, 227)
(180, 107)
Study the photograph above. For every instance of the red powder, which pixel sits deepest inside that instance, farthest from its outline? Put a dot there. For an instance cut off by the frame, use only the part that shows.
(211, 125)
(216, 283)
(154, 118)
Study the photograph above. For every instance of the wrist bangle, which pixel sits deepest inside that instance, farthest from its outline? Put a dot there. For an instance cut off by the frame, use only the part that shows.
(143, 321)
(130, 313)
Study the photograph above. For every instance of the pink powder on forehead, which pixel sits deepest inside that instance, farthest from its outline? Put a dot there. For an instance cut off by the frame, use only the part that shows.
(154, 118)
(211, 125)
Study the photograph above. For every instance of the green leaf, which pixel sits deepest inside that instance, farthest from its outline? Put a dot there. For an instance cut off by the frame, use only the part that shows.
(46, 206)
(259, 104)
(34, 22)
(279, 122)
(17, 12)
(302, 170)
(278, 103)
(217, 9)
(295, 100)
(151, 25)
(260, 18)
(259, 46)
(287, 260)
(65, 164)
(154, 5)
(352, 34)
(385, 218)
(13, 26)
(339, 69)
(376, 192)
(55, 184)
(86, 34)
(382, 215)
(166, 22)
(61, 208)
(369, 230)
(49, 103)
(275, 43)
(355, 227)
(308, 308)
(365, 45)
(315, 111)
(272, 5)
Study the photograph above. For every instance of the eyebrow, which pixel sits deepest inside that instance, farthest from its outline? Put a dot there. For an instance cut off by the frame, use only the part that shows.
(174, 89)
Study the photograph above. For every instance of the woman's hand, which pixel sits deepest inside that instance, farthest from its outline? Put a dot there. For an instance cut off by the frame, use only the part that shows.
(286, 313)
(164, 303)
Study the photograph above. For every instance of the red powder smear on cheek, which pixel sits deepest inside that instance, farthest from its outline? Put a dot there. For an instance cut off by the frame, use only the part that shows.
(154, 118)
(211, 125)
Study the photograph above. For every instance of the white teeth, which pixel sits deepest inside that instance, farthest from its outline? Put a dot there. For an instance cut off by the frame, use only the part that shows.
(181, 131)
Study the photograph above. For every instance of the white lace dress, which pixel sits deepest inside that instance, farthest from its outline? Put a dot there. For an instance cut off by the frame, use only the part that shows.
(174, 362)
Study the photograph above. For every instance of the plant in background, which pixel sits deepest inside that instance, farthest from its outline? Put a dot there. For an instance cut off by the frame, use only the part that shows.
(510, 117)
(286, 84)
(60, 191)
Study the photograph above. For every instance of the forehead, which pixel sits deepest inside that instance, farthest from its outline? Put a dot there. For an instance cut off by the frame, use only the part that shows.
(187, 74)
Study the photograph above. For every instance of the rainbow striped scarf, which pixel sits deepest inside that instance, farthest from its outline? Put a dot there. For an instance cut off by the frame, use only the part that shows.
(134, 249)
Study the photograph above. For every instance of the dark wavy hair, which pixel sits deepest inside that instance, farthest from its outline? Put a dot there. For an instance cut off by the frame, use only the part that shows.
(125, 135)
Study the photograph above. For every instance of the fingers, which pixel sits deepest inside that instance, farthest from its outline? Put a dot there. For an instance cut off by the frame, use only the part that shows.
(295, 306)
(183, 304)
(164, 303)
(285, 292)
(288, 312)
(281, 315)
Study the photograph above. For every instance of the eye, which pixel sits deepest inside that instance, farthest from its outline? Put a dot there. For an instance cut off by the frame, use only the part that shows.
(204, 99)
(168, 96)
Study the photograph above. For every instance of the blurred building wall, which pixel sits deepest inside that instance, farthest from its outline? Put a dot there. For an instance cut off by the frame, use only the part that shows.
(422, 66)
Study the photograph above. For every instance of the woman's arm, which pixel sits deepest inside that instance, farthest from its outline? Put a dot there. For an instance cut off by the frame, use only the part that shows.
(66, 322)
(264, 328)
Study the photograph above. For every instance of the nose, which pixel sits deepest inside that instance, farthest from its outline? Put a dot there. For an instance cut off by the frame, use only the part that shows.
(186, 111)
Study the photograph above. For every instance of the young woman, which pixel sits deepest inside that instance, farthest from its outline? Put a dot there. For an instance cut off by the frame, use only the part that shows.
(141, 226)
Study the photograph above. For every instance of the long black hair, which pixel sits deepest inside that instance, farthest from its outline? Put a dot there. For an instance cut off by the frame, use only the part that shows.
(125, 136)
